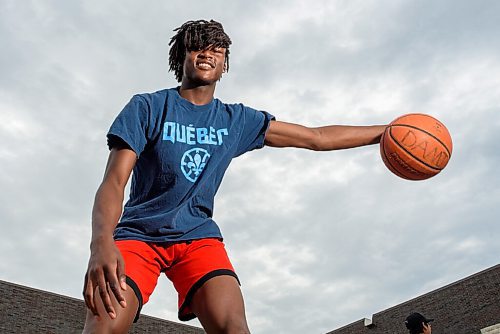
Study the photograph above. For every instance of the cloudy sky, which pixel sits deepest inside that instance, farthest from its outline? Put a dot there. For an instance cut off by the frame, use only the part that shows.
(319, 240)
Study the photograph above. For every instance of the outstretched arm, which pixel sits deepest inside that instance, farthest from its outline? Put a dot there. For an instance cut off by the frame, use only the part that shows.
(325, 138)
(106, 267)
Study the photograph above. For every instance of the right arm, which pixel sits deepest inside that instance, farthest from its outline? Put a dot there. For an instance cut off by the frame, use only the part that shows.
(106, 266)
(325, 138)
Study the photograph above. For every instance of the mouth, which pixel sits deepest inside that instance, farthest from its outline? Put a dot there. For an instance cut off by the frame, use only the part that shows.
(205, 65)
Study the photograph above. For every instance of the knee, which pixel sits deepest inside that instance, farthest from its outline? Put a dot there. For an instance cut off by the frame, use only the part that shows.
(122, 322)
(94, 325)
(104, 330)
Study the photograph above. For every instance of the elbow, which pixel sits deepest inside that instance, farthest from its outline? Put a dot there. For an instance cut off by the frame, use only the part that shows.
(318, 147)
(316, 141)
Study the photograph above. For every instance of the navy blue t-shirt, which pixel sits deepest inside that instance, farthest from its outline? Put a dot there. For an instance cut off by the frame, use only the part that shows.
(183, 151)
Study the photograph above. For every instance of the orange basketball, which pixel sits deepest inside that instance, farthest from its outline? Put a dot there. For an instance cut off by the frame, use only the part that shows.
(416, 146)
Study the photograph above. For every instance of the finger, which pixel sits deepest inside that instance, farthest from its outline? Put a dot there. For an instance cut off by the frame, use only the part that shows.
(120, 273)
(105, 297)
(88, 294)
(115, 286)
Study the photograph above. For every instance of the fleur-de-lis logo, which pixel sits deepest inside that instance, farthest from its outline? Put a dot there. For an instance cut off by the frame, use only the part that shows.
(193, 162)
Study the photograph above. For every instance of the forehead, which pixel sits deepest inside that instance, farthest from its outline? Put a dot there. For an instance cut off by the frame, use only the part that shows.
(205, 46)
(210, 47)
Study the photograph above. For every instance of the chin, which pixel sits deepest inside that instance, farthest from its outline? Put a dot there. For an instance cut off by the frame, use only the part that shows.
(206, 80)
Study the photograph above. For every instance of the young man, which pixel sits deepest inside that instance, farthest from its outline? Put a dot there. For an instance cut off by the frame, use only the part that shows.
(178, 142)
(418, 324)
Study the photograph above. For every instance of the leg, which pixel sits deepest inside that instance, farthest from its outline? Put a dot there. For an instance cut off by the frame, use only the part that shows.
(219, 306)
(124, 316)
(142, 267)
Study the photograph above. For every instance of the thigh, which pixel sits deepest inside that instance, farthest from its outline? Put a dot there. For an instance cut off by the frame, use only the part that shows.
(124, 315)
(142, 268)
(219, 306)
(195, 263)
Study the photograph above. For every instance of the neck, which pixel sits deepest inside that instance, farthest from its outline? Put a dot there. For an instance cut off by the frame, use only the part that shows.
(199, 95)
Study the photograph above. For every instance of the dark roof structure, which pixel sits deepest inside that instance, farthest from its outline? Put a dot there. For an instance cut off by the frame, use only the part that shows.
(468, 306)
(28, 310)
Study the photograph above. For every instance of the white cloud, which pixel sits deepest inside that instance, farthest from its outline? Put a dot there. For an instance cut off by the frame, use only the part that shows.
(319, 239)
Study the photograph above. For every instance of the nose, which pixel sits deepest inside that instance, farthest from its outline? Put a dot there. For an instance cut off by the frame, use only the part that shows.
(205, 54)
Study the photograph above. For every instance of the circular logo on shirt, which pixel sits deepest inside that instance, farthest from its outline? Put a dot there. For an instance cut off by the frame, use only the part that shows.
(193, 162)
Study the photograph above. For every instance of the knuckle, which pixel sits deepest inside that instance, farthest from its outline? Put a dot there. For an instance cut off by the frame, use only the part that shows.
(103, 293)
(95, 272)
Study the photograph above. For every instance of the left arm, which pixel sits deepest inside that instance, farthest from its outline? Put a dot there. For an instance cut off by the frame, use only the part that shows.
(325, 138)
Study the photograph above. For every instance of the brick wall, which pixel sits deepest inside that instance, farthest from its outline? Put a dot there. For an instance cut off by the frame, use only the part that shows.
(463, 307)
(27, 310)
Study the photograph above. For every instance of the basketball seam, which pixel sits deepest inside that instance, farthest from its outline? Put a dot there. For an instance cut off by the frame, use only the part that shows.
(430, 134)
(394, 169)
(416, 158)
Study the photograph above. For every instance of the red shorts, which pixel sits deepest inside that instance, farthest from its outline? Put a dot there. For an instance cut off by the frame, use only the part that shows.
(187, 264)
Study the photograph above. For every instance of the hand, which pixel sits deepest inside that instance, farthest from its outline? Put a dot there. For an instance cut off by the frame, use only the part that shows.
(105, 272)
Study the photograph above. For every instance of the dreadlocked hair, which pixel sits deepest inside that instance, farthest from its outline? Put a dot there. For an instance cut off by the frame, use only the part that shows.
(194, 36)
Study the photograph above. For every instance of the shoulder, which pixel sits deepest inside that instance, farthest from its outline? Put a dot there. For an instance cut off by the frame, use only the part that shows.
(234, 107)
(159, 94)
(151, 97)
(154, 101)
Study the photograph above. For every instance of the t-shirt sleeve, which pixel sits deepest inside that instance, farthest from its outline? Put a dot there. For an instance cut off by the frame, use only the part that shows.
(130, 126)
(255, 124)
